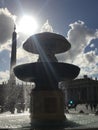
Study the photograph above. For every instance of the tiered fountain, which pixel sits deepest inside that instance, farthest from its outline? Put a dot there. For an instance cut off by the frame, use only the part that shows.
(47, 100)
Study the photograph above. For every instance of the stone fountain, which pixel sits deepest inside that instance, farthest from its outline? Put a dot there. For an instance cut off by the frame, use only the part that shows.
(47, 100)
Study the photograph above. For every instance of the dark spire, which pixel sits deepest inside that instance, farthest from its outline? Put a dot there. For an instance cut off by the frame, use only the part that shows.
(13, 55)
(14, 27)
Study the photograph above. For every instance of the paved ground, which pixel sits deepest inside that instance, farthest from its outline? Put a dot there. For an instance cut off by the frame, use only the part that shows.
(8, 120)
(21, 120)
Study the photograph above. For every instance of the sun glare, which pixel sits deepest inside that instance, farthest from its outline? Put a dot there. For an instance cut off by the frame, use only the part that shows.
(27, 25)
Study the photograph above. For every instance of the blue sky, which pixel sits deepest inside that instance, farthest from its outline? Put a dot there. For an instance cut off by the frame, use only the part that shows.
(77, 20)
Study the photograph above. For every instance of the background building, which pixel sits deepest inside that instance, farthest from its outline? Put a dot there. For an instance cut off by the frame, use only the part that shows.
(84, 90)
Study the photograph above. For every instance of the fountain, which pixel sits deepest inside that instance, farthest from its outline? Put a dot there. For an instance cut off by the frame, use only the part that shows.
(47, 100)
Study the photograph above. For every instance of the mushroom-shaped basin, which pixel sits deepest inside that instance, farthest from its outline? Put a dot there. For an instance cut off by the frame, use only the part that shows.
(47, 42)
(46, 71)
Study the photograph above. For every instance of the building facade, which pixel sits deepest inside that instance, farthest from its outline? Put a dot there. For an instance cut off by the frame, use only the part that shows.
(84, 90)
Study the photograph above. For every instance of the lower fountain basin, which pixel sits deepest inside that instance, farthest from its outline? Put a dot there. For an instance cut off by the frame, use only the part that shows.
(44, 71)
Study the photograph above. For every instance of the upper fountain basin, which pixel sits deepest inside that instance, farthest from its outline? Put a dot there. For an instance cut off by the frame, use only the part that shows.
(47, 42)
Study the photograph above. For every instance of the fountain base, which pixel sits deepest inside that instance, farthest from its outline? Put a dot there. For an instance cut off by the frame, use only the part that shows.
(49, 124)
(47, 108)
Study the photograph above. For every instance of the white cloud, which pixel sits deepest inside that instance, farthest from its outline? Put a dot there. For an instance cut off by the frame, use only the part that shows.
(6, 46)
(80, 36)
(90, 57)
(6, 25)
(24, 56)
(87, 63)
(46, 27)
(92, 45)
(4, 76)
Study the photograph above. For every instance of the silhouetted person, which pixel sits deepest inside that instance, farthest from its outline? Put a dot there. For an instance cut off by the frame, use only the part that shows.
(12, 107)
(86, 106)
(94, 106)
(91, 106)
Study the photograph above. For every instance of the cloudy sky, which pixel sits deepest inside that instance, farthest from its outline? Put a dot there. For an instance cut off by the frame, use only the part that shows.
(77, 20)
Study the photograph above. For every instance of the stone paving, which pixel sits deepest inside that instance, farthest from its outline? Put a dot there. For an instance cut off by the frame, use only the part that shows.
(22, 120)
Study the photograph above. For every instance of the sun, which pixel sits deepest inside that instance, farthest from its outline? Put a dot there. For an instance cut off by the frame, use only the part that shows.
(27, 25)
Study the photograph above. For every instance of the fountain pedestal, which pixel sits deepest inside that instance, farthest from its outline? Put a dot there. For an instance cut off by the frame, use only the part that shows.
(47, 100)
(47, 106)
